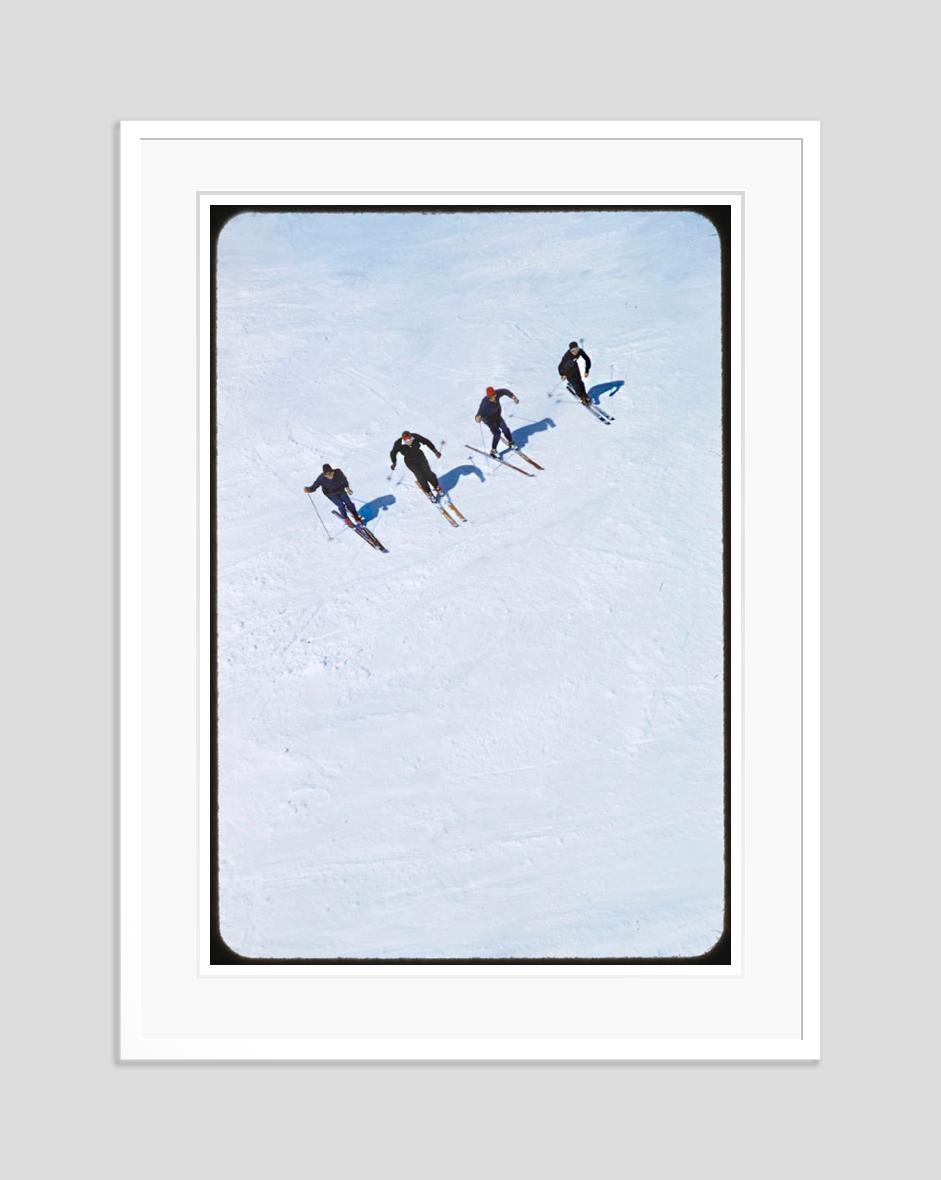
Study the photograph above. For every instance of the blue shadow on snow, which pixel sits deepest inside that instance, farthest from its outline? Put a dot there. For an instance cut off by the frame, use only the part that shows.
(608, 387)
(522, 434)
(371, 510)
(451, 478)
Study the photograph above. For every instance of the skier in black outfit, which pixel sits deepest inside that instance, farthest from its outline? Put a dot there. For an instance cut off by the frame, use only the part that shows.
(568, 368)
(489, 412)
(409, 446)
(333, 484)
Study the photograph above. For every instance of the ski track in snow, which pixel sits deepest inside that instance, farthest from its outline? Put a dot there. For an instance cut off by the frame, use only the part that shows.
(502, 739)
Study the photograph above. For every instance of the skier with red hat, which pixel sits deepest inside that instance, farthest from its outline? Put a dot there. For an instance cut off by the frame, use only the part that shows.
(489, 412)
(409, 446)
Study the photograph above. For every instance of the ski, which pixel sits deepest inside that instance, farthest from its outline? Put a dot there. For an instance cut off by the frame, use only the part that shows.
(601, 415)
(499, 460)
(364, 532)
(350, 524)
(523, 455)
(431, 500)
(454, 508)
(603, 418)
(371, 538)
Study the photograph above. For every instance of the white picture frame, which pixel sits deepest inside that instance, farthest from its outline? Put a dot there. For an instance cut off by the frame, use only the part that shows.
(175, 1003)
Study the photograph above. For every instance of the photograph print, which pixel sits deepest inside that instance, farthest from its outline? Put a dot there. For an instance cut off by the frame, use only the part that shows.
(470, 518)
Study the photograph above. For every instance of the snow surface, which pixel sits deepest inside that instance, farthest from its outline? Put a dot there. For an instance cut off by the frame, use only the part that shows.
(498, 740)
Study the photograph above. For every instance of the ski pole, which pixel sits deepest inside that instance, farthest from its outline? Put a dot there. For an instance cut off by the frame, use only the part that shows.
(322, 525)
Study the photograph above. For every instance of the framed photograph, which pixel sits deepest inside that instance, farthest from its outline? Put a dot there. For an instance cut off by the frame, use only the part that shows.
(470, 591)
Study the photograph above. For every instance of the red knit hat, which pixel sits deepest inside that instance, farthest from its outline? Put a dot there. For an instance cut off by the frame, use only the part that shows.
(490, 391)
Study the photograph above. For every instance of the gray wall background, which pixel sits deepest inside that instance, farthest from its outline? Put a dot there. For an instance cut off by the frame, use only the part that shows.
(74, 71)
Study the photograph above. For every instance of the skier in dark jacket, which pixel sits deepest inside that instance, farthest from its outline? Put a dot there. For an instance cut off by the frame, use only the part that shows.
(568, 368)
(489, 412)
(333, 484)
(409, 446)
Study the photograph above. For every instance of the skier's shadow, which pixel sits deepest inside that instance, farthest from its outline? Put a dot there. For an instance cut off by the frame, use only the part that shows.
(371, 510)
(608, 387)
(451, 478)
(522, 434)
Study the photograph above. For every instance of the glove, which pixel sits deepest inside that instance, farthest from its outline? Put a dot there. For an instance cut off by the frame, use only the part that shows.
(393, 467)
(307, 490)
(516, 399)
(438, 454)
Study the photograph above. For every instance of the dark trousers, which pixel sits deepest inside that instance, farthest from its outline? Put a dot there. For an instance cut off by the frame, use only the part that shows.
(425, 477)
(344, 503)
(576, 384)
(496, 426)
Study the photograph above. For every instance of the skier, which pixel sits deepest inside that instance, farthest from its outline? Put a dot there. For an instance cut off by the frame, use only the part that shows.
(333, 484)
(489, 412)
(568, 368)
(409, 447)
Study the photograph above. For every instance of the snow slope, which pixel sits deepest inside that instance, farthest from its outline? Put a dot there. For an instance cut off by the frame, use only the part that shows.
(499, 740)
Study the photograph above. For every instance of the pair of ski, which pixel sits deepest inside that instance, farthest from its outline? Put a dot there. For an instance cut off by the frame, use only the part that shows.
(602, 415)
(444, 508)
(512, 466)
(364, 532)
